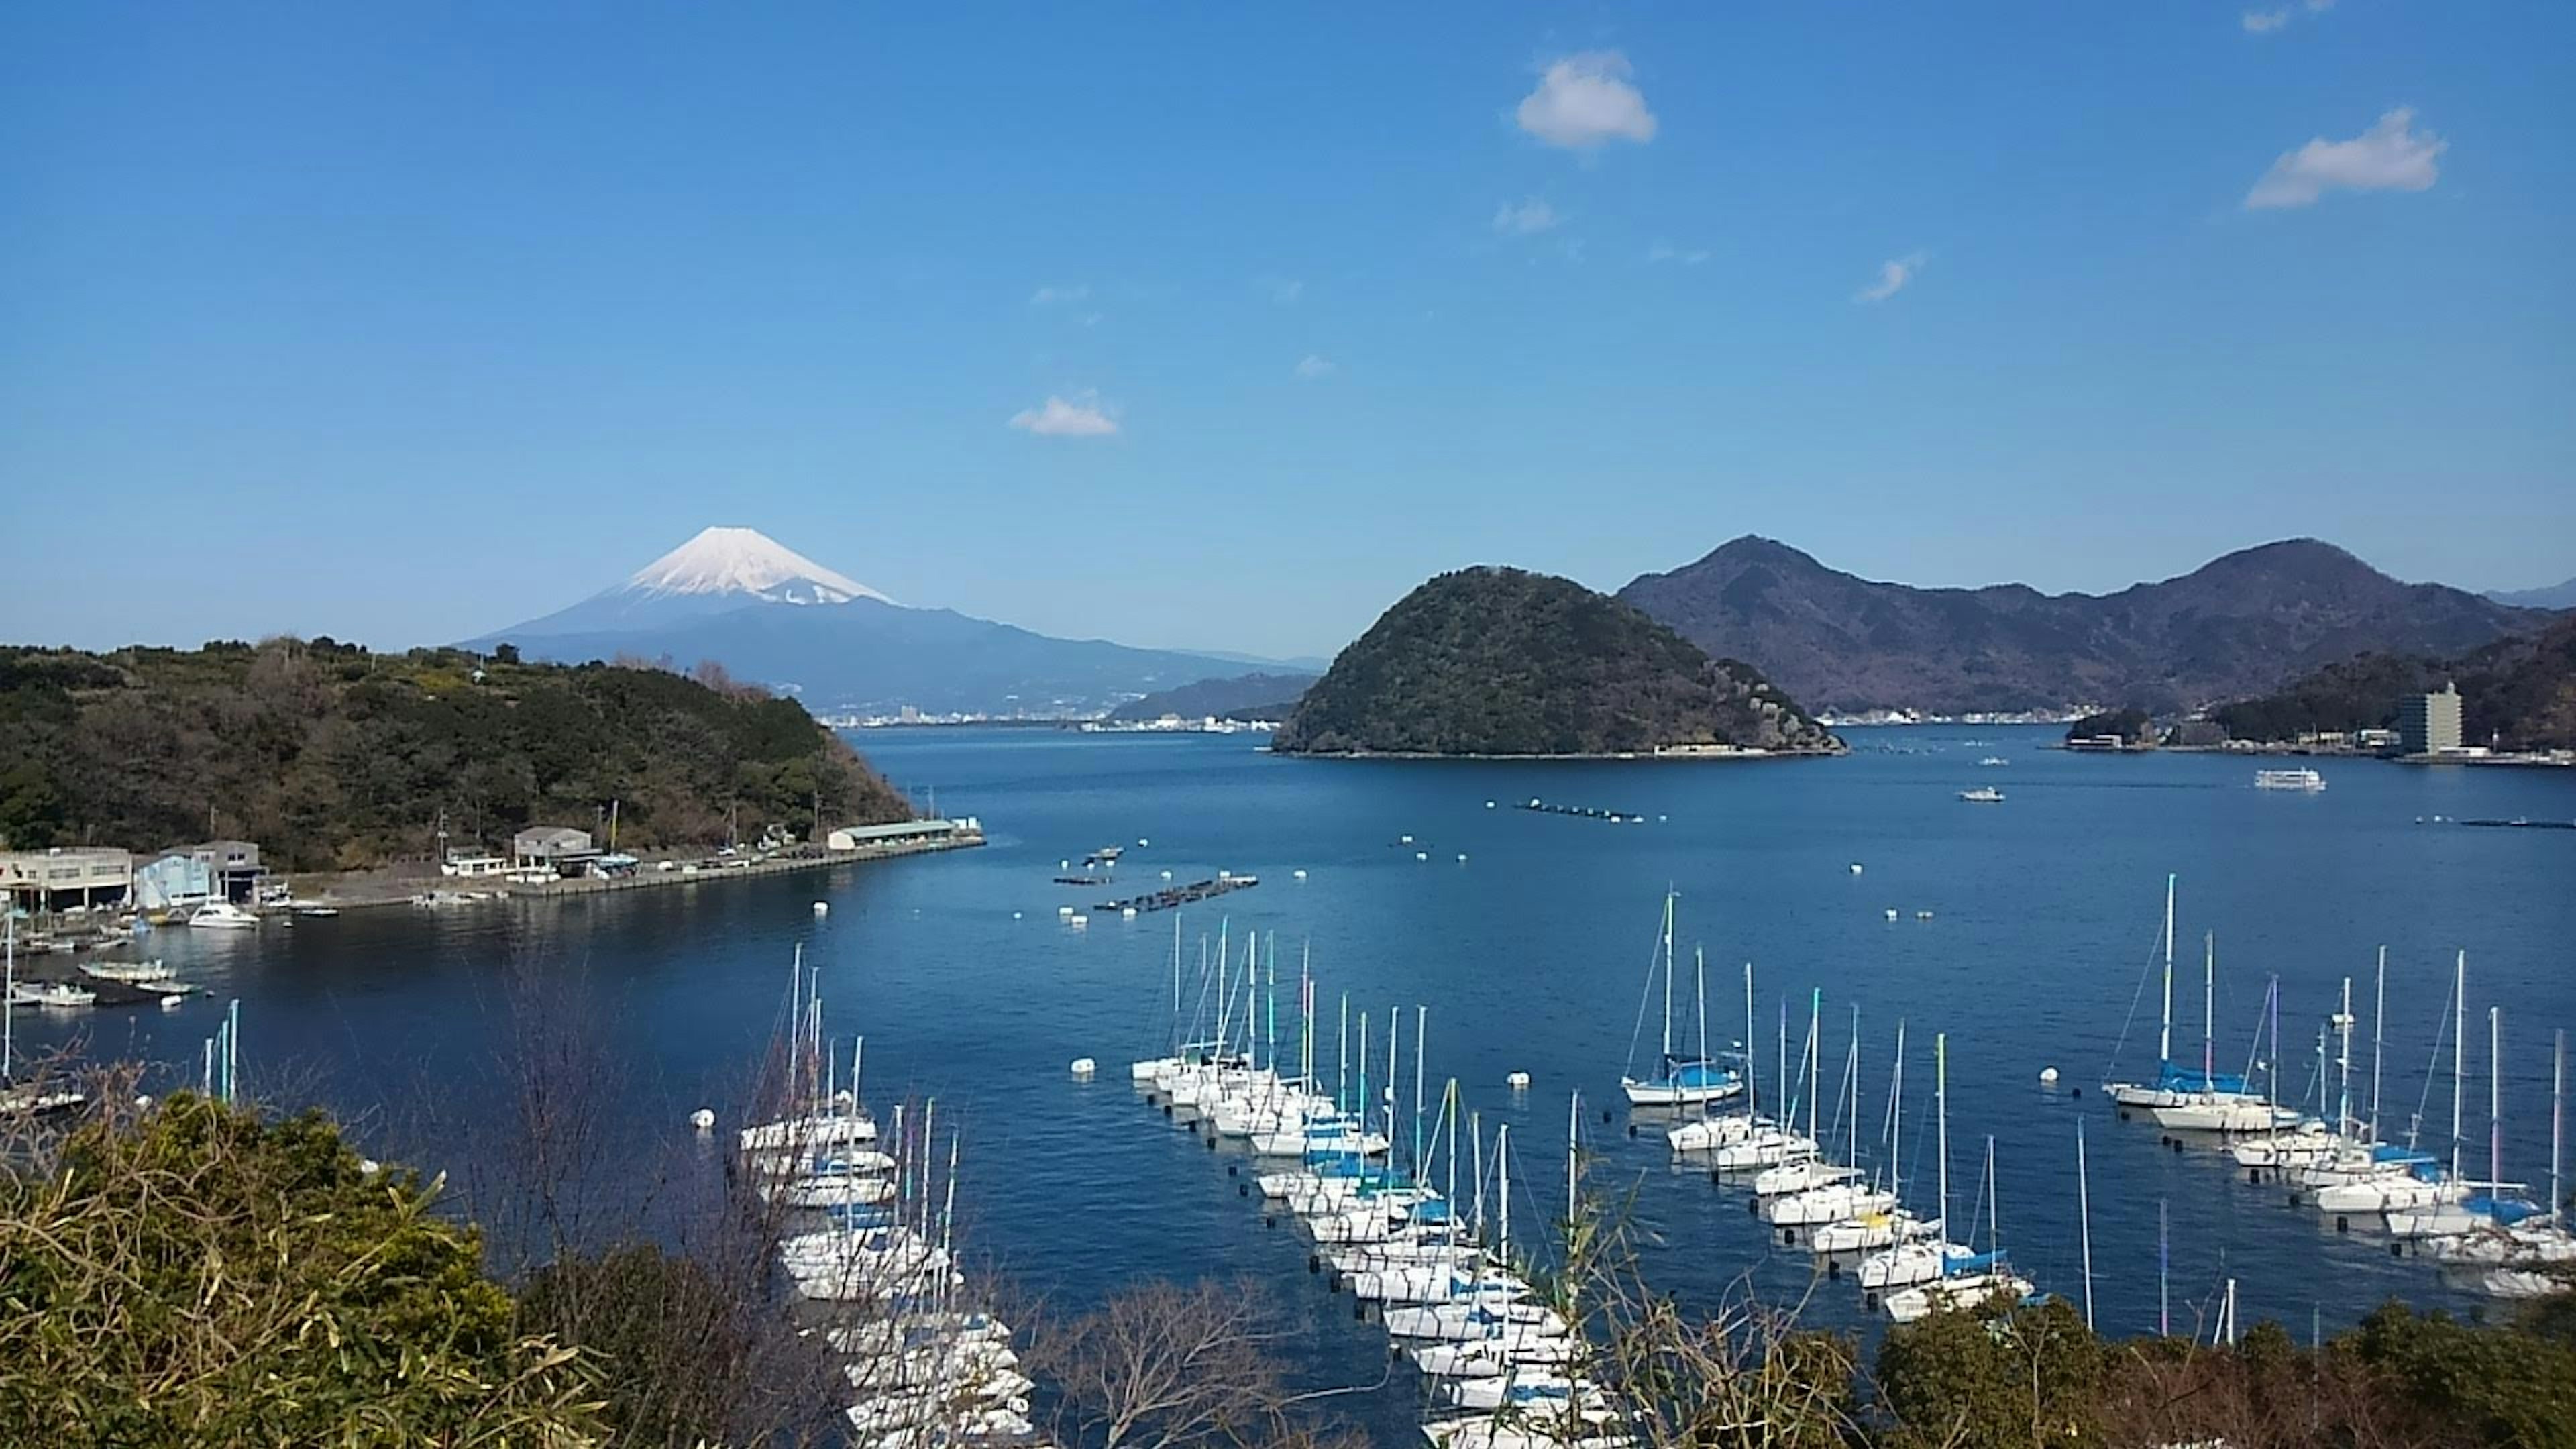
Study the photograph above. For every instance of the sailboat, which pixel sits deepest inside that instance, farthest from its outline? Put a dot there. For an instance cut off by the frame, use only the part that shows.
(1829, 1192)
(2393, 1180)
(2489, 1208)
(1868, 1229)
(2533, 1241)
(1679, 1081)
(2174, 1084)
(2212, 1107)
(1711, 1131)
(1772, 1146)
(1919, 1260)
(1965, 1282)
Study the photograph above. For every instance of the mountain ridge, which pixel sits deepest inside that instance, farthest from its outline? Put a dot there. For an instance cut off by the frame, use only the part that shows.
(1497, 661)
(2240, 624)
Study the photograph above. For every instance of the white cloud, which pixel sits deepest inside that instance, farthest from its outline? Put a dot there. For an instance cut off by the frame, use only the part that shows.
(1314, 367)
(2390, 156)
(1052, 296)
(1664, 251)
(1527, 219)
(1585, 100)
(1056, 418)
(1892, 277)
(1283, 290)
(2264, 22)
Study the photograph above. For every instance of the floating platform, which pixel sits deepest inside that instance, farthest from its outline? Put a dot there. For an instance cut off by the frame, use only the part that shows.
(2521, 824)
(1082, 880)
(1585, 812)
(1181, 895)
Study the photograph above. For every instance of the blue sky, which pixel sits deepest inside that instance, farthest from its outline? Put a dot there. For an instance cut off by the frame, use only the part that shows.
(1224, 326)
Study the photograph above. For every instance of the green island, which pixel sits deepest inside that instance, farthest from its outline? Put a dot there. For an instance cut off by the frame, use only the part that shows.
(1495, 661)
(336, 758)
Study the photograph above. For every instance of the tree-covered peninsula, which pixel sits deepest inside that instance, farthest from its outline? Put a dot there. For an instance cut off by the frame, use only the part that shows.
(1500, 661)
(333, 757)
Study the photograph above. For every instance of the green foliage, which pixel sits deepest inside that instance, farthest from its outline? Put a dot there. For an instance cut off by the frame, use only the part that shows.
(195, 1276)
(1500, 661)
(2028, 1375)
(2500, 1387)
(332, 757)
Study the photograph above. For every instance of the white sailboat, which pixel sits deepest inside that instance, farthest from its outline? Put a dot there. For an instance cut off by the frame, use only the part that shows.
(2211, 1107)
(1679, 1081)
(1965, 1283)
(2386, 1180)
(1826, 1193)
(1870, 1229)
(1709, 1132)
(1919, 1260)
(2489, 1208)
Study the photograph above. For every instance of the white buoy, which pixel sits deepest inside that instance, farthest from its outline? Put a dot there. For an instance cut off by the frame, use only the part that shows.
(1462, 857)
(369, 1167)
(1922, 915)
(1015, 915)
(1142, 842)
(1408, 840)
(1301, 875)
(1078, 922)
(1225, 875)
(173, 1003)
(1083, 1067)
(1489, 804)
(1517, 1081)
(2048, 1076)
(1891, 913)
(142, 1102)
(1066, 864)
(1855, 867)
(822, 908)
(1127, 912)
(1167, 875)
(1663, 819)
(703, 1119)
(1422, 855)
(1064, 910)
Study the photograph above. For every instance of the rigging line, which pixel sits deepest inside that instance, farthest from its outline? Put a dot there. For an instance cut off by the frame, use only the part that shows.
(2441, 1034)
(1645, 995)
(2144, 973)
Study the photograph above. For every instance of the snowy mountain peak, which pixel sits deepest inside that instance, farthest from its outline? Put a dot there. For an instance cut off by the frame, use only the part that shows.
(746, 561)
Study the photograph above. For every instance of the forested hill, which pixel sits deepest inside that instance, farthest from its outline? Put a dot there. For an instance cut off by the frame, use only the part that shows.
(1497, 661)
(2519, 693)
(331, 757)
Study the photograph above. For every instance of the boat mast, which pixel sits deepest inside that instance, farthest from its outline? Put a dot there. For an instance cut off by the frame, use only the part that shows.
(1421, 1025)
(2378, 1029)
(1342, 1059)
(2460, 1031)
(1306, 1010)
(2557, 1095)
(1699, 994)
(2495, 1099)
(2164, 1031)
(1668, 979)
(1815, 1054)
(2164, 1274)
(2343, 1100)
(1749, 1084)
(9, 993)
(1852, 1151)
(2084, 1219)
(1394, 1075)
(1503, 1186)
(1896, 1122)
(2209, 1015)
(1941, 1111)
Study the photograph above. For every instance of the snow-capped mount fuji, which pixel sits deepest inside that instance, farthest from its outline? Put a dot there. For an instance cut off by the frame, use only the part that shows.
(768, 613)
(720, 570)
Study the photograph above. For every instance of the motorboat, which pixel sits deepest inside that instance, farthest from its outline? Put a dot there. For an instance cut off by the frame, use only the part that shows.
(222, 916)
(1983, 795)
(51, 993)
(2304, 780)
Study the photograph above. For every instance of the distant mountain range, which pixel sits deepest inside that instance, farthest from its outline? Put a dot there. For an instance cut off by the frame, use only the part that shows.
(2236, 627)
(1265, 696)
(2556, 596)
(766, 613)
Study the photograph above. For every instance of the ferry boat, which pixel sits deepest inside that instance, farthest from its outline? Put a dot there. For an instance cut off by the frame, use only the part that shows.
(1983, 795)
(2302, 779)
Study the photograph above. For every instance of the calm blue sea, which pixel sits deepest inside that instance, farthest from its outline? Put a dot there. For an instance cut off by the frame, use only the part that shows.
(1530, 953)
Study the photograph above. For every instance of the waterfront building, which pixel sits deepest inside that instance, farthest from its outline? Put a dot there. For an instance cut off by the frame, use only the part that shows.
(232, 868)
(2429, 724)
(907, 832)
(172, 881)
(559, 848)
(66, 878)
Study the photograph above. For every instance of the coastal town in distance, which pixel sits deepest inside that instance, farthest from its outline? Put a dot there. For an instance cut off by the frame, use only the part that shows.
(1529, 729)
